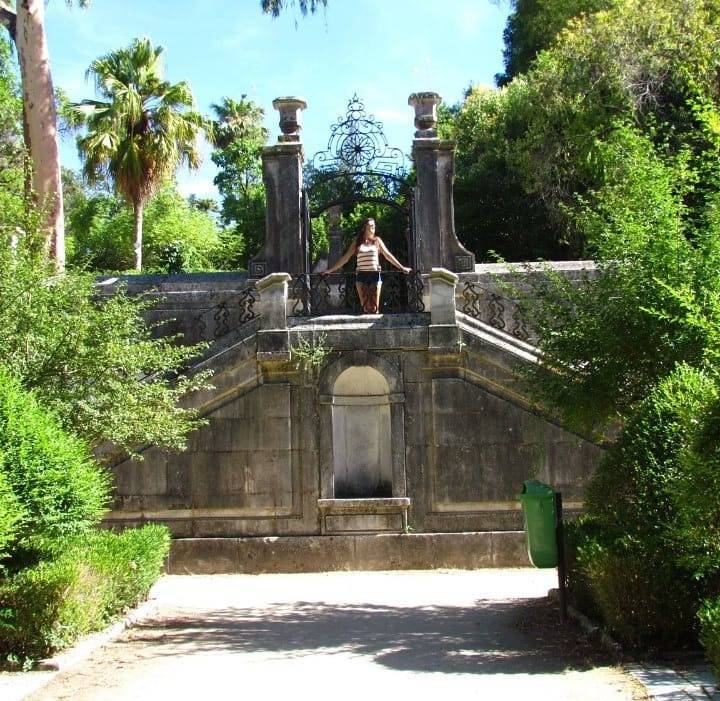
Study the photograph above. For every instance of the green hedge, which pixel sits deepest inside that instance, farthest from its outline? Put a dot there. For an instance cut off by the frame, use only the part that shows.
(46, 607)
(629, 552)
(709, 616)
(11, 515)
(58, 490)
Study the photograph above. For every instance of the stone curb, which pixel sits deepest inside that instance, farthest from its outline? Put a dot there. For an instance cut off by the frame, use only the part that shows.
(664, 684)
(661, 684)
(89, 644)
(19, 688)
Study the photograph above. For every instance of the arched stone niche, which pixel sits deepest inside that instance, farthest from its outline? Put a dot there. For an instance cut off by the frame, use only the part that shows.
(362, 461)
(362, 444)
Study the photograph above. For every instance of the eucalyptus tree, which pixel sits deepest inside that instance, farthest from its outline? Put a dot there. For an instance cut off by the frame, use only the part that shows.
(25, 21)
(141, 131)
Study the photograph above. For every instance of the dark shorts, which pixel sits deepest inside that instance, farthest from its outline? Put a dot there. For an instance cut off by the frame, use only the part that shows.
(368, 277)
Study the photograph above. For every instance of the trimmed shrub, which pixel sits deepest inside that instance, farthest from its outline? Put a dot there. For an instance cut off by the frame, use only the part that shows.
(697, 500)
(709, 616)
(641, 595)
(50, 472)
(627, 557)
(128, 562)
(11, 515)
(47, 606)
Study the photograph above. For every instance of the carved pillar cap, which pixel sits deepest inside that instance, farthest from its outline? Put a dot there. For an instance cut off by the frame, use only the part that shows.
(290, 123)
(443, 275)
(425, 104)
(272, 279)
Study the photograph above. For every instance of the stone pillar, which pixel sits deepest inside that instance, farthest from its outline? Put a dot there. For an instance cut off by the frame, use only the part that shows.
(273, 335)
(335, 235)
(436, 244)
(443, 330)
(284, 249)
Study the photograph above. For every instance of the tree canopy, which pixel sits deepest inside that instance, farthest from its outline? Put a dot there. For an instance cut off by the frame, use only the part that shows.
(142, 130)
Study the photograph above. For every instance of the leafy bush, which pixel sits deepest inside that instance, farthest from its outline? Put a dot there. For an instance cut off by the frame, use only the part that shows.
(697, 498)
(709, 616)
(97, 365)
(11, 515)
(628, 551)
(640, 593)
(60, 490)
(128, 562)
(632, 492)
(101, 233)
(47, 606)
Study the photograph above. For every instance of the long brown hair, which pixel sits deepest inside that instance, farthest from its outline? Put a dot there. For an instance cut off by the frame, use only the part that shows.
(361, 233)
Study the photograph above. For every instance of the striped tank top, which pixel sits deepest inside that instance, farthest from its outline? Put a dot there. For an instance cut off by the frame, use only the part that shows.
(367, 257)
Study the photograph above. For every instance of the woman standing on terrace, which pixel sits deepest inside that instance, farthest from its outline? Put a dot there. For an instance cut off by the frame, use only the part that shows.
(368, 281)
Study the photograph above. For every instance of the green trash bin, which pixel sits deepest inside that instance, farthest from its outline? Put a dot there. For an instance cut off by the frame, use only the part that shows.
(538, 505)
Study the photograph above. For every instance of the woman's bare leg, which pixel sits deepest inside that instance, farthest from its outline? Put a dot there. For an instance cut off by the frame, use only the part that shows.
(376, 300)
(362, 295)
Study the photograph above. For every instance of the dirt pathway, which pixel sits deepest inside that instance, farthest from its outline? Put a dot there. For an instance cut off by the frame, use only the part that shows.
(486, 634)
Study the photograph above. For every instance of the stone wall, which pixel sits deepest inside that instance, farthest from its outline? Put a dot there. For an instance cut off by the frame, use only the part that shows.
(464, 434)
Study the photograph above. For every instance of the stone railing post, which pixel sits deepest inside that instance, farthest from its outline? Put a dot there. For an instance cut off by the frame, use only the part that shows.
(444, 330)
(435, 241)
(284, 248)
(273, 337)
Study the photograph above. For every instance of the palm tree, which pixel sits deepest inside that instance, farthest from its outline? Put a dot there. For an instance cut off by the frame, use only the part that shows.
(275, 7)
(237, 119)
(142, 130)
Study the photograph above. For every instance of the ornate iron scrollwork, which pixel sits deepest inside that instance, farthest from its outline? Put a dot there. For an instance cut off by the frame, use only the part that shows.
(221, 317)
(491, 308)
(316, 295)
(228, 315)
(246, 304)
(357, 143)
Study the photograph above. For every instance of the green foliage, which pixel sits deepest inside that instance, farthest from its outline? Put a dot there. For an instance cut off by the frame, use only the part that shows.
(696, 497)
(12, 153)
(533, 25)
(12, 514)
(640, 593)
(630, 549)
(11, 147)
(128, 562)
(49, 605)
(494, 211)
(709, 616)
(613, 337)
(239, 136)
(143, 129)
(641, 470)
(275, 7)
(527, 152)
(56, 490)
(95, 364)
(309, 356)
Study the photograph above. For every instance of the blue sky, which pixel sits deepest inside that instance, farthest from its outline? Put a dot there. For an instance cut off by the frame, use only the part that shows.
(382, 49)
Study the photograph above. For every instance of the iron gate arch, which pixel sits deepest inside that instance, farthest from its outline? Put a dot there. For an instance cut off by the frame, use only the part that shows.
(358, 166)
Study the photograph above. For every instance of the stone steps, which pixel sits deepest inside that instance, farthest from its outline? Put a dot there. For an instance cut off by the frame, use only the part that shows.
(315, 553)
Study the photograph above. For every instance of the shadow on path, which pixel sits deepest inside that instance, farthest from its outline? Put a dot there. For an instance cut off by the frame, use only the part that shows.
(518, 637)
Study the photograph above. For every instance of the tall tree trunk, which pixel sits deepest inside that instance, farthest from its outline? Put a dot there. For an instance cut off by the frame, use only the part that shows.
(138, 206)
(39, 101)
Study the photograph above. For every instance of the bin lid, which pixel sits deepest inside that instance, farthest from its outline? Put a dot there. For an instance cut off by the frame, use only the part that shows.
(536, 489)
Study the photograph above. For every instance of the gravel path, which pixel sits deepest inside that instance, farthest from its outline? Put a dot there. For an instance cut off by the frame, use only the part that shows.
(487, 634)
